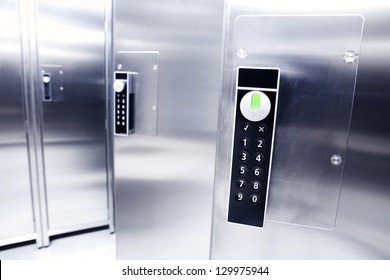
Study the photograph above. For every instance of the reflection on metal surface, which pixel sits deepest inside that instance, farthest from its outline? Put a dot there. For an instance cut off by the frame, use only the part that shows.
(362, 229)
(164, 184)
(72, 35)
(316, 93)
(16, 209)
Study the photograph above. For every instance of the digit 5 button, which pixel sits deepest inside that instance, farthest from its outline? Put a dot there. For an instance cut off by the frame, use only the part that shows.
(255, 106)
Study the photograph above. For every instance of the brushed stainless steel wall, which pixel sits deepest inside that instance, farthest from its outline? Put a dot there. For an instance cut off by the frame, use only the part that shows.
(164, 184)
(72, 34)
(16, 209)
(362, 229)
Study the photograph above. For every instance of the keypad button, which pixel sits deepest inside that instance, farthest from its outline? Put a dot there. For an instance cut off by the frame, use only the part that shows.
(242, 170)
(123, 101)
(259, 158)
(118, 123)
(240, 196)
(241, 183)
(123, 112)
(255, 198)
(123, 123)
(123, 106)
(261, 128)
(245, 142)
(123, 118)
(246, 127)
(244, 156)
(260, 143)
(256, 185)
(257, 172)
(118, 112)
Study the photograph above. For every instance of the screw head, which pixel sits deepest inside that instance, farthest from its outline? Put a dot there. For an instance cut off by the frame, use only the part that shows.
(119, 66)
(336, 160)
(242, 53)
(350, 57)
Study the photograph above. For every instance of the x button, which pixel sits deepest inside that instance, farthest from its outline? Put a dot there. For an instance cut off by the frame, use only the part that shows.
(262, 128)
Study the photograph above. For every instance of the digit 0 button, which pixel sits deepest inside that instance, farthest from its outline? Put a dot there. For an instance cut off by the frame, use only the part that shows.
(255, 106)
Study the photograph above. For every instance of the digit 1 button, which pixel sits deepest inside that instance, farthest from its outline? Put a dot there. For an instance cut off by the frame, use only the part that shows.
(240, 196)
(241, 183)
(244, 156)
(259, 158)
(245, 142)
(243, 170)
(255, 198)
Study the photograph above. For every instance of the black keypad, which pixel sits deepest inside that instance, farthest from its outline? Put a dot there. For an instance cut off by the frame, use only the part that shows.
(121, 112)
(252, 145)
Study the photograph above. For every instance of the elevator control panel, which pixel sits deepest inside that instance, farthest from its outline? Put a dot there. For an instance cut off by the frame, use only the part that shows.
(124, 99)
(254, 128)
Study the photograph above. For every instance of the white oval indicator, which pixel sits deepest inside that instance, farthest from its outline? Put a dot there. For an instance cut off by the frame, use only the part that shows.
(255, 106)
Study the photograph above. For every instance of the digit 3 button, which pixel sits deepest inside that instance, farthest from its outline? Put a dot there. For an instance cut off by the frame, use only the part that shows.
(255, 106)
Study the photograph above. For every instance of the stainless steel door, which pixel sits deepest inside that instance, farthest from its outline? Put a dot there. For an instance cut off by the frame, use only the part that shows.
(362, 228)
(71, 40)
(16, 210)
(163, 183)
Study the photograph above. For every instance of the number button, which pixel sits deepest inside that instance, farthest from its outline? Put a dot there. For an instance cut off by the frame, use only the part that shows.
(245, 142)
(259, 158)
(256, 185)
(260, 143)
(241, 183)
(262, 128)
(244, 156)
(246, 127)
(240, 196)
(255, 198)
(257, 172)
(243, 170)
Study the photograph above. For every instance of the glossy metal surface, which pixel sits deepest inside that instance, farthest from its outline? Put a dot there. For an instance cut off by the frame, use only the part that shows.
(164, 183)
(72, 34)
(315, 101)
(16, 209)
(362, 229)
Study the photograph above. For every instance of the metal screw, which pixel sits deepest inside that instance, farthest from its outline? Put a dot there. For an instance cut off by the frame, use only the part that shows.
(61, 72)
(242, 53)
(119, 66)
(336, 160)
(61, 88)
(350, 57)
(155, 67)
(154, 107)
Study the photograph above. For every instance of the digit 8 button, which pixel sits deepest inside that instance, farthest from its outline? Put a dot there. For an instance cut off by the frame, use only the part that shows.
(255, 185)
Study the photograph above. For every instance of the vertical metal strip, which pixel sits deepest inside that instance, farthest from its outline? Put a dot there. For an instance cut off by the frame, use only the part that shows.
(34, 118)
(109, 128)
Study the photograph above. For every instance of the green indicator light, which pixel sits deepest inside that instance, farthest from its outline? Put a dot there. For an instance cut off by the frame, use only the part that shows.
(255, 102)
